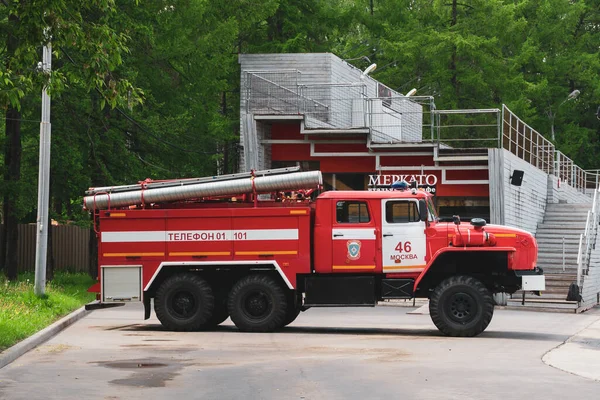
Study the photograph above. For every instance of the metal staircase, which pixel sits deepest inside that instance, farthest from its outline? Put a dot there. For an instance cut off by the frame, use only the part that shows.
(558, 239)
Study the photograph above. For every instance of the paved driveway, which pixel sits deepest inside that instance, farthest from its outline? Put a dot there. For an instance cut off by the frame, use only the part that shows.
(346, 353)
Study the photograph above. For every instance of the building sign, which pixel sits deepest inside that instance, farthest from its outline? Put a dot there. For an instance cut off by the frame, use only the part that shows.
(427, 182)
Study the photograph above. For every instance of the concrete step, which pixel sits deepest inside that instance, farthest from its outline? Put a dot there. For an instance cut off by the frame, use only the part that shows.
(536, 308)
(557, 248)
(562, 227)
(568, 211)
(565, 211)
(557, 263)
(565, 206)
(554, 234)
(554, 242)
(544, 296)
(545, 304)
(557, 270)
(570, 260)
(560, 277)
(547, 255)
(561, 289)
(567, 217)
(553, 252)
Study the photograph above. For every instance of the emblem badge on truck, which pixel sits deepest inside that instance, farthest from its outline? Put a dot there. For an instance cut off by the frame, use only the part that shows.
(353, 249)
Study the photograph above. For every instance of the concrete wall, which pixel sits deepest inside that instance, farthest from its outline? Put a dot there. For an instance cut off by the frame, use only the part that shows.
(591, 281)
(565, 193)
(519, 206)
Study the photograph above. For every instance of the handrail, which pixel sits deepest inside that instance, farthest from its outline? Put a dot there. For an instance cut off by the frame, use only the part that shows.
(563, 253)
(579, 260)
(588, 237)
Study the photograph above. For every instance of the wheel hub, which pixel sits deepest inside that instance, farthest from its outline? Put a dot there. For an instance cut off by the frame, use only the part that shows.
(183, 304)
(461, 307)
(257, 305)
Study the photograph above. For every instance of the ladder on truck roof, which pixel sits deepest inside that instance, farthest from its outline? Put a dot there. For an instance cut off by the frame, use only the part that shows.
(149, 184)
(148, 192)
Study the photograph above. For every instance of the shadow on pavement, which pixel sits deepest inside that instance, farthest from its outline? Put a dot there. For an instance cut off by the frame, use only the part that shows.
(413, 333)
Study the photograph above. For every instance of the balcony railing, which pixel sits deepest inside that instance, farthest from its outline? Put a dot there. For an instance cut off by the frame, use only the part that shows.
(397, 119)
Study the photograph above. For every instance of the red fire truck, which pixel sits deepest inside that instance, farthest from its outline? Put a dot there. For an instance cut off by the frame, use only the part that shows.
(262, 247)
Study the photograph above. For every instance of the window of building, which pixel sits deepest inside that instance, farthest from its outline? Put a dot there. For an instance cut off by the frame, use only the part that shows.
(352, 212)
(401, 211)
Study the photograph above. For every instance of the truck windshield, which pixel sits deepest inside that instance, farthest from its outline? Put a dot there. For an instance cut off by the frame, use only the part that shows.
(431, 209)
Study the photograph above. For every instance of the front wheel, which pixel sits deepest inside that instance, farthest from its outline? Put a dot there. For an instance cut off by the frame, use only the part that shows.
(461, 306)
(257, 303)
(294, 306)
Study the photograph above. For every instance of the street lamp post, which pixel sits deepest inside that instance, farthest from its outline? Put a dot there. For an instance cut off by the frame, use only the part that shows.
(43, 182)
(552, 115)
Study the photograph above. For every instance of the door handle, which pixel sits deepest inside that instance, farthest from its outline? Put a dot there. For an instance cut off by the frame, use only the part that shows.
(337, 235)
(387, 234)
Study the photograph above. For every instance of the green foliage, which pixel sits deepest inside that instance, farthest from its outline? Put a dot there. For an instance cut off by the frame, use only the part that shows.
(528, 54)
(151, 90)
(22, 313)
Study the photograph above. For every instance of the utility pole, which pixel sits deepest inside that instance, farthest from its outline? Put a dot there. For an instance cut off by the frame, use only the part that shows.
(41, 247)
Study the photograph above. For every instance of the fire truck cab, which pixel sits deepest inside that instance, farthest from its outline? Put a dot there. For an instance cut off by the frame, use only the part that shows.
(263, 260)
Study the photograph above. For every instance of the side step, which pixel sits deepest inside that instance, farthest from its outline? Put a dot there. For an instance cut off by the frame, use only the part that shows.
(96, 305)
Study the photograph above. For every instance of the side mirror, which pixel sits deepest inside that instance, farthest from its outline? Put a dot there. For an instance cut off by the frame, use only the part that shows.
(423, 210)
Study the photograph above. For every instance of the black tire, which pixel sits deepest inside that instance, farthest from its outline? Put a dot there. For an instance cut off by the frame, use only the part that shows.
(219, 315)
(291, 315)
(184, 302)
(294, 306)
(257, 303)
(461, 306)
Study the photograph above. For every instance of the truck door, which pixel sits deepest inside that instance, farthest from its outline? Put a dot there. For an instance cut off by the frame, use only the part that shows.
(403, 236)
(353, 237)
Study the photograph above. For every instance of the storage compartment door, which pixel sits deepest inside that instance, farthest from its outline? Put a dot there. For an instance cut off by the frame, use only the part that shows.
(121, 283)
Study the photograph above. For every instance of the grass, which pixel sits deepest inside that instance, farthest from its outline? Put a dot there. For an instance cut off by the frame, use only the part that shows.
(22, 313)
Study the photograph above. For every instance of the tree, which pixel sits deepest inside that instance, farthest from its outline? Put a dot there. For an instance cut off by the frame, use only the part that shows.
(76, 30)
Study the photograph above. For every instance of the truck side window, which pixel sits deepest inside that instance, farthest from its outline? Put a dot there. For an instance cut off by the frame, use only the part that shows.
(352, 212)
(401, 212)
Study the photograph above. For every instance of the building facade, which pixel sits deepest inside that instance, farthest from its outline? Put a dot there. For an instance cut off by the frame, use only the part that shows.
(319, 112)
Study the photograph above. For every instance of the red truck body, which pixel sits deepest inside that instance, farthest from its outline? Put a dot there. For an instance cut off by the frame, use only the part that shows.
(204, 260)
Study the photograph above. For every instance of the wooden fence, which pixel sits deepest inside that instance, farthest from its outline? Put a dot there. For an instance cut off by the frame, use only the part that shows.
(69, 247)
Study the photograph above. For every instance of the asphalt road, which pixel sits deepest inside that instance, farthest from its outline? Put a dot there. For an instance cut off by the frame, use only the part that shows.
(348, 353)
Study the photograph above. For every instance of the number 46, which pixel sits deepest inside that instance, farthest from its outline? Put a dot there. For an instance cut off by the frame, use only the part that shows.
(407, 247)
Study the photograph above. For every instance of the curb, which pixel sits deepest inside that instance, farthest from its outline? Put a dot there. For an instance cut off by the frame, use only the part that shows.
(12, 353)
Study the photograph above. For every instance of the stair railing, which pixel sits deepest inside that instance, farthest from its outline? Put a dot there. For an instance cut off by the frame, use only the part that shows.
(563, 253)
(587, 238)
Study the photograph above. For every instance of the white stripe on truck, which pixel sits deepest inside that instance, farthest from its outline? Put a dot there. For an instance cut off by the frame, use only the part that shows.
(199, 236)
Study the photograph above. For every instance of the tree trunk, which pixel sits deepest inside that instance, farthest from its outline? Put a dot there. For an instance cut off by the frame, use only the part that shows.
(454, 77)
(12, 174)
(12, 171)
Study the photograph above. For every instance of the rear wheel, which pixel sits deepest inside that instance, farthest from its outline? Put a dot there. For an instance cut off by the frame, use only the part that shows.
(219, 315)
(257, 303)
(461, 306)
(184, 302)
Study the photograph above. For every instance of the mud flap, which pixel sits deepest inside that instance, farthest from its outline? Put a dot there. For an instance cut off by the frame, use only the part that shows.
(147, 308)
